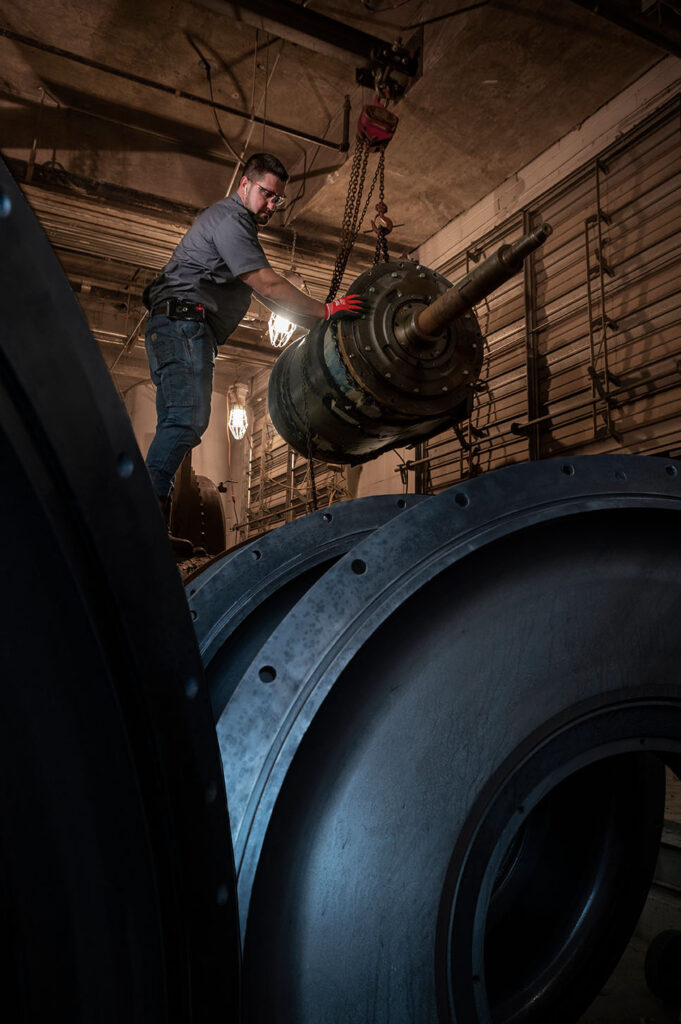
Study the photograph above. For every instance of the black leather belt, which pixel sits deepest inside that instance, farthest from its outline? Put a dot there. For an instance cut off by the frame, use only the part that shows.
(180, 309)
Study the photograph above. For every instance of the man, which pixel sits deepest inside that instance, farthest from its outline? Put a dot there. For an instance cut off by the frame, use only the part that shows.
(199, 298)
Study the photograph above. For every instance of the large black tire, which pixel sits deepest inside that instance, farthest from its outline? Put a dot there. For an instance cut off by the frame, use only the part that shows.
(446, 763)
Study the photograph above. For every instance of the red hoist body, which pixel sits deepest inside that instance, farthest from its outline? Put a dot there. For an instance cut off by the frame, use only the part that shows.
(376, 125)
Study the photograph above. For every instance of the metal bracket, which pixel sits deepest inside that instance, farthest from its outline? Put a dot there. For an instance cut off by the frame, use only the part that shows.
(597, 323)
(610, 404)
(460, 438)
(600, 388)
(603, 263)
(601, 215)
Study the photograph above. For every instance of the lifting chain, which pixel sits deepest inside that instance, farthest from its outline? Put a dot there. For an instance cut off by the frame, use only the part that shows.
(352, 219)
(350, 214)
(381, 224)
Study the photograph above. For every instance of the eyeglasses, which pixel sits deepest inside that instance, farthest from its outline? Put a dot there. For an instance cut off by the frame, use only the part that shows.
(271, 197)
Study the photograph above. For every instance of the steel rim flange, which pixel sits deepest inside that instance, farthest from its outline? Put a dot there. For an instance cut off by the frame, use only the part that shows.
(313, 645)
(234, 588)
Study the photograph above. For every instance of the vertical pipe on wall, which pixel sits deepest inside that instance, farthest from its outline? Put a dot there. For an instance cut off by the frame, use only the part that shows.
(531, 349)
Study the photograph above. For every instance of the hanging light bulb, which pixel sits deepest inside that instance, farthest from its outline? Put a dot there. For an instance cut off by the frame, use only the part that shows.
(238, 420)
(280, 330)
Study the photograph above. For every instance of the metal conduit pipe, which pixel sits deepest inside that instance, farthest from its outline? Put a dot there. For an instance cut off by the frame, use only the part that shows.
(349, 391)
(130, 76)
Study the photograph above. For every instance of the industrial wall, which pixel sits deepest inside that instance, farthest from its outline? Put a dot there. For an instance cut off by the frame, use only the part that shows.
(583, 350)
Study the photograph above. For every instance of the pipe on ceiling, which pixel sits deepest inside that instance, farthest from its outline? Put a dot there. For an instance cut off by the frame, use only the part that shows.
(129, 76)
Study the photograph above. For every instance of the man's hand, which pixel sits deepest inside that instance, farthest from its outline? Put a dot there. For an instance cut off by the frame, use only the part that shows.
(351, 307)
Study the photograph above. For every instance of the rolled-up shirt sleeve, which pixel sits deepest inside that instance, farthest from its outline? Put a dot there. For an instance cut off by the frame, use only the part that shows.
(236, 240)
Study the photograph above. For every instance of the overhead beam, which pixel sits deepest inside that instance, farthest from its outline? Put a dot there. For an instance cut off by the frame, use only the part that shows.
(627, 14)
(47, 181)
(307, 28)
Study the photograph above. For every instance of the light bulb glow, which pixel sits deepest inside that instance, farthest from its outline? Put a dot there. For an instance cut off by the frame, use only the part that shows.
(280, 330)
(238, 422)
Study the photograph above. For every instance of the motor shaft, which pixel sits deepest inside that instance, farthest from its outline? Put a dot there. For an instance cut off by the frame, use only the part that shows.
(503, 264)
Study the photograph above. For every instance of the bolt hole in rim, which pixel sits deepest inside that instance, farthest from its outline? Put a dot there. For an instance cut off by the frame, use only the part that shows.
(503, 936)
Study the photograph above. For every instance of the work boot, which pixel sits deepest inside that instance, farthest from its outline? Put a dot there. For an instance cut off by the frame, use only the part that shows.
(182, 548)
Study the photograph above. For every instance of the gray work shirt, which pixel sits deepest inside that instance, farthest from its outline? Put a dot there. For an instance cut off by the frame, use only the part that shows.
(221, 244)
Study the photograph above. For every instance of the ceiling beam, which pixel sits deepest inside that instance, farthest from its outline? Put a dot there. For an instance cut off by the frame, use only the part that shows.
(307, 28)
(243, 351)
(48, 181)
(628, 15)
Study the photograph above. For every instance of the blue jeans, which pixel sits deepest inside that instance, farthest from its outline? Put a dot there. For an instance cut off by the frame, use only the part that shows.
(181, 357)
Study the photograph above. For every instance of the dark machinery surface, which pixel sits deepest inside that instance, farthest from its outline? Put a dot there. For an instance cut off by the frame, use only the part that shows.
(403, 372)
(663, 959)
(116, 875)
(443, 725)
(197, 513)
(445, 761)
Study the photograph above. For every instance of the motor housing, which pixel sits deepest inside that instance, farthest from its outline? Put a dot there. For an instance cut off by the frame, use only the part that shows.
(353, 389)
(403, 372)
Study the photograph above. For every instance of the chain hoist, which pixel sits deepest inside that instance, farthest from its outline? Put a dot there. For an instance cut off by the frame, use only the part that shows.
(375, 128)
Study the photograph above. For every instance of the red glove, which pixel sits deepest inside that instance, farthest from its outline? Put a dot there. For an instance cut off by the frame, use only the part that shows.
(351, 307)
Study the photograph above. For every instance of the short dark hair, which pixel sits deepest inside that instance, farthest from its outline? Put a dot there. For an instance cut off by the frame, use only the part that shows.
(264, 163)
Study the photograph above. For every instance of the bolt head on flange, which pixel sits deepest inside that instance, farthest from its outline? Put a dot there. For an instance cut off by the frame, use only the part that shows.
(404, 370)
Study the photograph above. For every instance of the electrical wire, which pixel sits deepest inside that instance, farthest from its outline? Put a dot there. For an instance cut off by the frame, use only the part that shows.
(381, 10)
(252, 125)
(307, 170)
(206, 67)
(264, 104)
